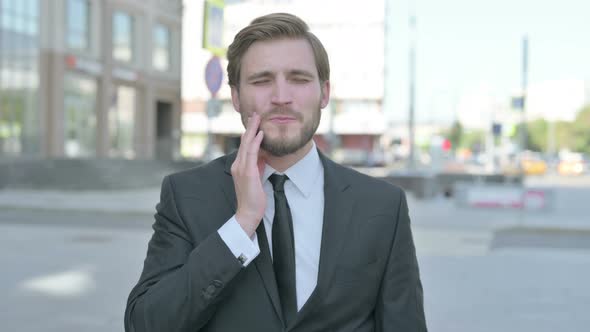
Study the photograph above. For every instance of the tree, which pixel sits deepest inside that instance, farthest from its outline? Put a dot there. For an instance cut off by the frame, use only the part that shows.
(537, 135)
(580, 131)
(473, 140)
(455, 135)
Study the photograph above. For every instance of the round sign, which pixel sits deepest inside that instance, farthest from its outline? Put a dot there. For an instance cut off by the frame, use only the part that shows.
(213, 75)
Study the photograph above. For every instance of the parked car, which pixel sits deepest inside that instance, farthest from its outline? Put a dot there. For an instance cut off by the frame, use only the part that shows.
(533, 164)
(572, 166)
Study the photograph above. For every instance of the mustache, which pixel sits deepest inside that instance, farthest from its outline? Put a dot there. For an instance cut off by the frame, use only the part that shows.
(282, 112)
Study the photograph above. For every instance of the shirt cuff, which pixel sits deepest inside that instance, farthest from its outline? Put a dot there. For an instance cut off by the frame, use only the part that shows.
(241, 245)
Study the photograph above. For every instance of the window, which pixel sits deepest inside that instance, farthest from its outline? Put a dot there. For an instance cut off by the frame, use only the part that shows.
(123, 30)
(19, 78)
(161, 55)
(79, 116)
(78, 24)
(20, 16)
(121, 122)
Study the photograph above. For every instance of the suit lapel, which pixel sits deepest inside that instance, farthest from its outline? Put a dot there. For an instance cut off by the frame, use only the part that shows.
(227, 185)
(263, 262)
(338, 206)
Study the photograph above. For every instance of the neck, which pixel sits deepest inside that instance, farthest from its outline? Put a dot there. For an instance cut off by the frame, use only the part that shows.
(283, 163)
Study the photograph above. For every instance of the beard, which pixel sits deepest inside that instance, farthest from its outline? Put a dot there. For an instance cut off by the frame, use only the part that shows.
(282, 144)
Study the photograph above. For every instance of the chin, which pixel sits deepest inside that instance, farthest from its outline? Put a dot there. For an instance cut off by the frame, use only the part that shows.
(282, 147)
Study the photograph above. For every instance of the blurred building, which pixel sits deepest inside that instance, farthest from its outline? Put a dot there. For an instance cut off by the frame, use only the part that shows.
(353, 34)
(90, 78)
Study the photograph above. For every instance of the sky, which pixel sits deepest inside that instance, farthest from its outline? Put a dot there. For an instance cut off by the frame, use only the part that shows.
(470, 47)
(468, 51)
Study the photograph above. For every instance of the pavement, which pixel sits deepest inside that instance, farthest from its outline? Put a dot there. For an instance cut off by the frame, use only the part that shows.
(441, 225)
(567, 213)
(72, 256)
(118, 201)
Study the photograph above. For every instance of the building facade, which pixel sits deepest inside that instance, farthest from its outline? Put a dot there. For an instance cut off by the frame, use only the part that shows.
(90, 78)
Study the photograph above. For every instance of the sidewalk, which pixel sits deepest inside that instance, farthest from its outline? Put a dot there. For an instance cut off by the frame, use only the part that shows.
(433, 213)
(444, 213)
(118, 201)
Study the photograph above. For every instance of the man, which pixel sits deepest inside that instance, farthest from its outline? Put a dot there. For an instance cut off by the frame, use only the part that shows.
(277, 237)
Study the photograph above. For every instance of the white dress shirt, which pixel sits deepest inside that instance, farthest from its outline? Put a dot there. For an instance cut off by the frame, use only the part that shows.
(305, 194)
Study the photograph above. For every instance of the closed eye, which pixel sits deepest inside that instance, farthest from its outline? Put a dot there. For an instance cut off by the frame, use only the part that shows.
(300, 80)
(260, 82)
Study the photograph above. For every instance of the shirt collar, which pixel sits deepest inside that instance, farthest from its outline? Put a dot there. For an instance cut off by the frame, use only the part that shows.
(303, 174)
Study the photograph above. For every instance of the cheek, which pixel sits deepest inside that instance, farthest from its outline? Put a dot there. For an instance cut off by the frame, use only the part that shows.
(309, 96)
(255, 102)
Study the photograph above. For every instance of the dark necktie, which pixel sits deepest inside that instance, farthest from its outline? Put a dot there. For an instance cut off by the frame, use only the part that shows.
(283, 250)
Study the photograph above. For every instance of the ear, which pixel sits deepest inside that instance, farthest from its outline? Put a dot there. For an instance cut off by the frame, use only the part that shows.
(325, 96)
(235, 98)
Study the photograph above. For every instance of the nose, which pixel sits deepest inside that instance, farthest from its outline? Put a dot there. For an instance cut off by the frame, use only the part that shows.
(281, 94)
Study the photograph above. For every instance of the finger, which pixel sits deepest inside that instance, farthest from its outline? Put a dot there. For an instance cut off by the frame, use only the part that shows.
(249, 135)
(251, 128)
(253, 151)
(243, 145)
(240, 151)
(254, 148)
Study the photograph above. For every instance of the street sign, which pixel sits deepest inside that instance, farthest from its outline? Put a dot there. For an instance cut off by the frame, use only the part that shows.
(518, 103)
(213, 75)
(213, 27)
(497, 129)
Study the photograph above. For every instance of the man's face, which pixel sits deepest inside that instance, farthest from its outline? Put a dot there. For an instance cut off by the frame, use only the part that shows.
(279, 81)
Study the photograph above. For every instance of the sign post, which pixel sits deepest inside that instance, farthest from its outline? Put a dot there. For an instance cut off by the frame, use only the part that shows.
(213, 41)
(213, 80)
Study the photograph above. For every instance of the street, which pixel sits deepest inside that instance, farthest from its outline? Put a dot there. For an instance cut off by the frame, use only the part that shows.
(482, 270)
(67, 278)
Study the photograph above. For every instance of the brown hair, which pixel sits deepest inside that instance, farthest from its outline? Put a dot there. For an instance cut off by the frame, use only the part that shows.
(269, 27)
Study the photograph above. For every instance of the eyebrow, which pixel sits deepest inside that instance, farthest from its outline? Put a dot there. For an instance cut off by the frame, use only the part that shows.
(258, 75)
(299, 72)
(267, 74)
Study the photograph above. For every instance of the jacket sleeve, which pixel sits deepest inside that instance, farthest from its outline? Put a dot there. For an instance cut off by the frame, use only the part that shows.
(182, 283)
(400, 305)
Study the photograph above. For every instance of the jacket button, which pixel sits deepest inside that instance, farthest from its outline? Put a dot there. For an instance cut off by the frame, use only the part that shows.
(208, 292)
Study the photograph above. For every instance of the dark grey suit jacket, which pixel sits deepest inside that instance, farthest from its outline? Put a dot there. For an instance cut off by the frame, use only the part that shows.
(368, 276)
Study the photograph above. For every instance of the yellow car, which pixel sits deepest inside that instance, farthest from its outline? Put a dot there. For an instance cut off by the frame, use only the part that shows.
(533, 166)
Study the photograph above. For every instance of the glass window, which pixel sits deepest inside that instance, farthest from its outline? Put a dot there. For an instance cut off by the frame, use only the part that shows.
(123, 36)
(79, 116)
(161, 55)
(7, 5)
(121, 122)
(19, 78)
(32, 7)
(78, 24)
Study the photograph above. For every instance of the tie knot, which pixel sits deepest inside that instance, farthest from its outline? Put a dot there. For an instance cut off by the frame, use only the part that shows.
(278, 182)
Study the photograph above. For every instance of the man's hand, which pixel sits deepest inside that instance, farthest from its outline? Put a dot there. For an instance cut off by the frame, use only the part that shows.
(246, 171)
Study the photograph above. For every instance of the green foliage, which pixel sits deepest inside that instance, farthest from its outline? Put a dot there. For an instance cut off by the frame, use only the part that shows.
(580, 131)
(465, 138)
(455, 135)
(537, 135)
(573, 136)
(473, 139)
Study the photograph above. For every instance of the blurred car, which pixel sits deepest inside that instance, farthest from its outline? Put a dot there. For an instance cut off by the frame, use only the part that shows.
(532, 164)
(571, 167)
